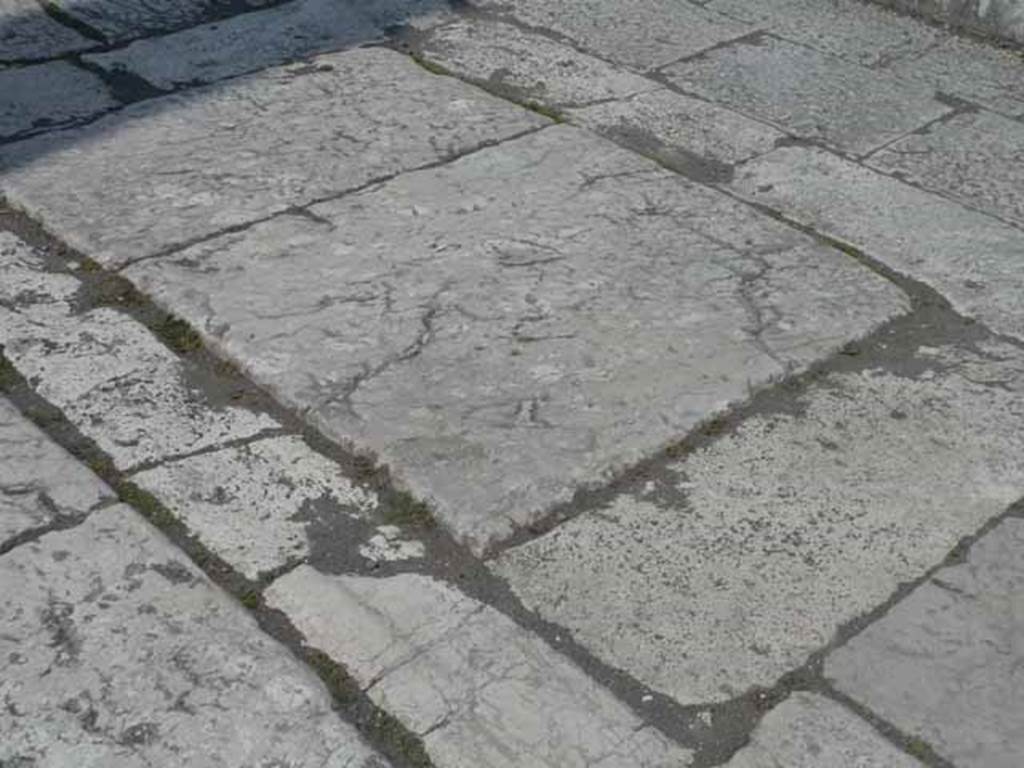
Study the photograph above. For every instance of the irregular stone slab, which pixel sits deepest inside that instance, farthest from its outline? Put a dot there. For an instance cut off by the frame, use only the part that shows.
(846, 28)
(732, 566)
(810, 731)
(40, 483)
(116, 651)
(970, 258)
(478, 688)
(645, 34)
(255, 504)
(976, 158)
(983, 74)
(254, 41)
(45, 96)
(1000, 18)
(808, 94)
(26, 32)
(119, 20)
(525, 320)
(945, 663)
(111, 378)
(170, 170)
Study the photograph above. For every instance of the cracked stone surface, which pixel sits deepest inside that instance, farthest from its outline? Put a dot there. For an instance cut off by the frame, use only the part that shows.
(50, 95)
(119, 20)
(28, 33)
(810, 731)
(970, 258)
(258, 505)
(109, 375)
(975, 158)
(734, 564)
(945, 664)
(117, 652)
(40, 483)
(644, 34)
(808, 94)
(171, 170)
(480, 690)
(558, 308)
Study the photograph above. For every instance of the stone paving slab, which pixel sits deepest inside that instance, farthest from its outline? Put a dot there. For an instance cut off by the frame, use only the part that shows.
(482, 691)
(999, 18)
(945, 664)
(731, 566)
(808, 94)
(117, 652)
(39, 482)
(810, 731)
(119, 20)
(976, 158)
(185, 166)
(970, 258)
(106, 372)
(26, 32)
(47, 96)
(505, 328)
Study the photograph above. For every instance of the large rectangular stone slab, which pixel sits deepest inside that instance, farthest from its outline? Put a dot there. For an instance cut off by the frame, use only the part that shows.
(808, 94)
(119, 20)
(27, 33)
(728, 568)
(116, 651)
(47, 96)
(508, 327)
(171, 170)
(478, 688)
(945, 663)
(970, 258)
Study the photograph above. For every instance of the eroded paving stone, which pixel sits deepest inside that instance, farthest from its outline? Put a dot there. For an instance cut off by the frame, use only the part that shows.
(970, 258)
(734, 564)
(507, 327)
(260, 505)
(119, 20)
(808, 94)
(117, 652)
(810, 731)
(46, 96)
(976, 158)
(945, 663)
(170, 170)
(106, 372)
(480, 690)
(39, 482)
(26, 32)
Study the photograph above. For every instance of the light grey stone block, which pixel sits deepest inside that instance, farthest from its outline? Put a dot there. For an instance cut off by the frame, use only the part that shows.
(970, 258)
(39, 482)
(175, 169)
(807, 93)
(998, 18)
(117, 652)
(945, 663)
(736, 563)
(479, 689)
(45, 96)
(526, 320)
(26, 32)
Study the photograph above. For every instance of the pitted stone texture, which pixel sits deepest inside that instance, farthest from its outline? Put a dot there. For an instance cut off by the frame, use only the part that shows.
(945, 663)
(850, 29)
(171, 170)
(117, 652)
(109, 376)
(46, 96)
(253, 41)
(39, 482)
(645, 34)
(739, 561)
(258, 505)
(478, 688)
(530, 318)
(810, 731)
(1002, 18)
(970, 258)
(807, 93)
(975, 158)
(119, 20)
(26, 32)
(981, 73)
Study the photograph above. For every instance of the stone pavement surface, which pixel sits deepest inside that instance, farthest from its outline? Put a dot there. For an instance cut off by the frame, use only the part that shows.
(513, 384)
